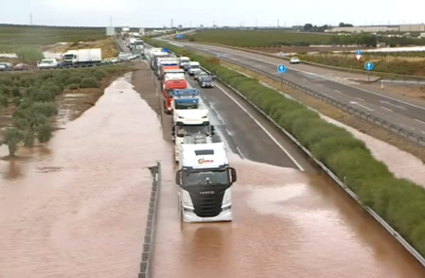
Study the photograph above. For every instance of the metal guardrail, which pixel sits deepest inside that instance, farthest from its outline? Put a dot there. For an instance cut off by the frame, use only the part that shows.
(376, 216)
(384, 75)
(420, 140)
(148, 243)
(371, 212)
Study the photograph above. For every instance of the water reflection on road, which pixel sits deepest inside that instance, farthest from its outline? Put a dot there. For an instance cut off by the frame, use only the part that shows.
(78, 208)
(287, 224)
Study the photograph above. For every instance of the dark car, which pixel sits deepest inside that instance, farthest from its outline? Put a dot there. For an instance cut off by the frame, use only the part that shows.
(186, 67)
(206, 81)
(22, 66)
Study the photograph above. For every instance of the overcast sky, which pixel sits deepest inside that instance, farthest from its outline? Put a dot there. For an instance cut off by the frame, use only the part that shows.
(145, 13)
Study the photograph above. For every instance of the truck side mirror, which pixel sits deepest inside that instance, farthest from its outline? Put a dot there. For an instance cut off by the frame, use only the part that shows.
(178, 177)
(212, 130)
(233, 175)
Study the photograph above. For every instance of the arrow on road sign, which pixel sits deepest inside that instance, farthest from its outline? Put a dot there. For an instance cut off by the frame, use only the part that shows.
(369, 66)
(358, 56)
(281, 69)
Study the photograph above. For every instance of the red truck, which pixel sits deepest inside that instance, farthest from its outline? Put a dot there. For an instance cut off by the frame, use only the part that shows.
(169, 86)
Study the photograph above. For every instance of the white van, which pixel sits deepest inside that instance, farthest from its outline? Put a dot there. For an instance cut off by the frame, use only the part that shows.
(193, 68)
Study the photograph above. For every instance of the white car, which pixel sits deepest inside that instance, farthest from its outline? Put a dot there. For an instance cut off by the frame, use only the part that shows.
(294, 60)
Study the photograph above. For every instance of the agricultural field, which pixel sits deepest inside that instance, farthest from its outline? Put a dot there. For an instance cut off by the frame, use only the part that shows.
(28, 42)
(394, 63)
(261, 38)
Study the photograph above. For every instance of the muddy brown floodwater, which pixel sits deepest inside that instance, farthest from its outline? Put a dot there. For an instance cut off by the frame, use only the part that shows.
(78, 208)
(286, 224)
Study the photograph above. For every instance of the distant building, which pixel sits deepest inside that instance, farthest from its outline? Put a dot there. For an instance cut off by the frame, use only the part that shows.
(412, 28)
(110, 31)
(364, 29)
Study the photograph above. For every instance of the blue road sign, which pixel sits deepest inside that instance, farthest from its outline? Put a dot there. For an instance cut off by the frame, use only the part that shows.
(281, 69)
(165, 50)
(359, 52)
(369, 66)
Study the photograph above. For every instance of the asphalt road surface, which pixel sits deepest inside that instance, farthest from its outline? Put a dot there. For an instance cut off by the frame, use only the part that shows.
(289, 221)
(400, 111)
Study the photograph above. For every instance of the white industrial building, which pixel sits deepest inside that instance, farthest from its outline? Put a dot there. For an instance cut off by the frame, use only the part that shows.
(376, 29)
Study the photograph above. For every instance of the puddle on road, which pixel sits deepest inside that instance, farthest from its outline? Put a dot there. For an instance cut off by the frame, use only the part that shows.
(79, 209)
(286, 224)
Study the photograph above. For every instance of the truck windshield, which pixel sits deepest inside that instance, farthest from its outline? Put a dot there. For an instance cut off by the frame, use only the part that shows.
(170, 93)
(194, 67)
(192, 129)
(206, 177)
(186, 105)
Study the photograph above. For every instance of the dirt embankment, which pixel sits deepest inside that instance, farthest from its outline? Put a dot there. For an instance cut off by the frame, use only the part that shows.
(108, 46)
(343, 117)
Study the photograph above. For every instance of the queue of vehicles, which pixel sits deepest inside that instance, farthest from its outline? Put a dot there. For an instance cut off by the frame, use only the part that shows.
(204, 175)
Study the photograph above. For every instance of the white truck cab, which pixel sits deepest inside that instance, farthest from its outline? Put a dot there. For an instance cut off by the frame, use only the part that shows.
(205, 178)
(184, 99)
(193, 68)
(190, 123)
(183, 61)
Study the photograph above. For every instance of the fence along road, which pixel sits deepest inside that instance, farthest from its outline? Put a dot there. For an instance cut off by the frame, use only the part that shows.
(399, 116)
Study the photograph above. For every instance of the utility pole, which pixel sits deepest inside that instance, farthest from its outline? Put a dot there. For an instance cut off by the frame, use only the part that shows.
(110, 21)
(171, 23)
(30, 18)
(278, 23)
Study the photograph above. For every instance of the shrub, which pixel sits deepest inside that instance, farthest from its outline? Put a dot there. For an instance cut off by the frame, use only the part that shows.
(73, 86)
(99, 74)
(89, 82)
(400, 202)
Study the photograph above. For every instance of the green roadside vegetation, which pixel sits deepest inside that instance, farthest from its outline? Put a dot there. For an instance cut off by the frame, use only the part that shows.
(403, 64)
(399, 201)
(32, 96)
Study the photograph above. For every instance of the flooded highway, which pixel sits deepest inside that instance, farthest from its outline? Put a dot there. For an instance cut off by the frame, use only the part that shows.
(287, 223)
(79, 208)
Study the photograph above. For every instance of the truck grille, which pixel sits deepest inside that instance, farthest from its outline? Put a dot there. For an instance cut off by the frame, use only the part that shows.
(208, 205)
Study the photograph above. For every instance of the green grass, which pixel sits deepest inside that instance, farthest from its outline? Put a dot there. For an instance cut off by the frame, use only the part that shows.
(13, 36)
(390, 64)
(253, 38)
(400, 202)
(33, 95)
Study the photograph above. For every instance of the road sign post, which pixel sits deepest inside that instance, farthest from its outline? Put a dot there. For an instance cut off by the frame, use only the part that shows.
(359, 54)
(369, 67)
(281, 69)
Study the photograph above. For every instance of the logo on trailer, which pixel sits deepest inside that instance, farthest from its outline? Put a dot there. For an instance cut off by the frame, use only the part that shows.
(203, 161)
(206, 192)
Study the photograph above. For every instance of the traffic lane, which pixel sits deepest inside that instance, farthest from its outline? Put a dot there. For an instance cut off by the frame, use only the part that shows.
(322, 85)
(299, 76)
(410, 119)
(254, 135)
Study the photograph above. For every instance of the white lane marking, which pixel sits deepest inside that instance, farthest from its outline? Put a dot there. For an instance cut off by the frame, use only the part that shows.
(395, 105)
(337, 91)
(324, 77)
(383, 107)
(420, 121)
(365, 107)
(360, 99)
(263, 128)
